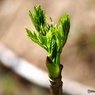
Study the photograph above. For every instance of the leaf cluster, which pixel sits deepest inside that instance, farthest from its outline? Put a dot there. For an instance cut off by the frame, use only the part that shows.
(52, 37)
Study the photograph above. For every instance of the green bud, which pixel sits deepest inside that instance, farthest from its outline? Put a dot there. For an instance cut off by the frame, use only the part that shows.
(51, 37)
(53, 69)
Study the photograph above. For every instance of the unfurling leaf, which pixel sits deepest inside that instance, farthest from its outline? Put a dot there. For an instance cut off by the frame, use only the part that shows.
(38, 18)
(65, 24)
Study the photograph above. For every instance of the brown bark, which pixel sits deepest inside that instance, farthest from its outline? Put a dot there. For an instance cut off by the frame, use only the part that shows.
(56, 84)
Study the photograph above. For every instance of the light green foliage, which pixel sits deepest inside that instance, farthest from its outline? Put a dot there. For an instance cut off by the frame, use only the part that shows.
(52, 37)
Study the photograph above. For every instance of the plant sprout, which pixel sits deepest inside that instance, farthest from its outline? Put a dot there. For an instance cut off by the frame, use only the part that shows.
(52, 37)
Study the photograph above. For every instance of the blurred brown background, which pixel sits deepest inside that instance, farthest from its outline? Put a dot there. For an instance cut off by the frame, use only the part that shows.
(78, 56)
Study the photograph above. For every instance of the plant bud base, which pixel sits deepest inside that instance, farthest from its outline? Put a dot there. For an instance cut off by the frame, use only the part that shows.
(56, 84)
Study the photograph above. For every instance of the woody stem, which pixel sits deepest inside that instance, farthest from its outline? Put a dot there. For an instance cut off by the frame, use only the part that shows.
(56, 84)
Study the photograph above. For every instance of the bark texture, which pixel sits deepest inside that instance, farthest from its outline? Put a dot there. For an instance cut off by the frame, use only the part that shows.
(56, 84)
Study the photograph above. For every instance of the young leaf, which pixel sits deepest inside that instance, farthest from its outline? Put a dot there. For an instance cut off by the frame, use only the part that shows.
(32, 36)
(38, 18)
(43, 40)
(65, 24)
(35, 23)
